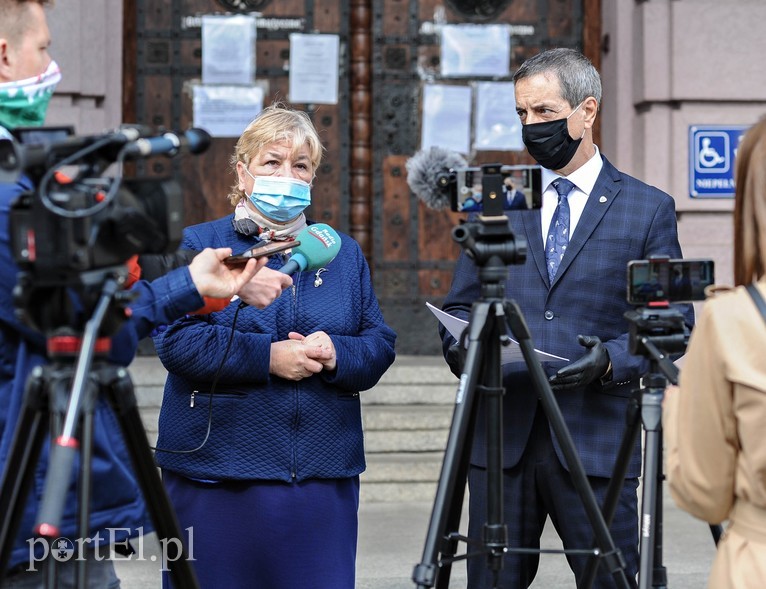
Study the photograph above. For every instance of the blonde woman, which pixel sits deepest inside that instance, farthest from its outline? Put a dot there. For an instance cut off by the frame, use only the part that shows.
(272, 494)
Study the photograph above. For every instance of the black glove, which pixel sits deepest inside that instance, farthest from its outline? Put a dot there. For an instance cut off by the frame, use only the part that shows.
(592, 366)
(455, 358)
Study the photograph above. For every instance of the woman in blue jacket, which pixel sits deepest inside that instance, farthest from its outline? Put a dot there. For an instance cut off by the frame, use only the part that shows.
(261, 419)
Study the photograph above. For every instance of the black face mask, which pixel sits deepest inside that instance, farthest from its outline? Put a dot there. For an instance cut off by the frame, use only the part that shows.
(549, 142)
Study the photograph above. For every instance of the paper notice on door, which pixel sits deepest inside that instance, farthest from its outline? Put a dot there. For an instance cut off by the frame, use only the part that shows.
(508, 354)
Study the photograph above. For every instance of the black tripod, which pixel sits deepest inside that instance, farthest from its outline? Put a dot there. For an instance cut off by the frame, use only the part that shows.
(654, 333)
(48, 401)
(492, 245)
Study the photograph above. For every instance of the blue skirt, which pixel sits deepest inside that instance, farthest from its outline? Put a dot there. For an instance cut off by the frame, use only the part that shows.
(268, 534)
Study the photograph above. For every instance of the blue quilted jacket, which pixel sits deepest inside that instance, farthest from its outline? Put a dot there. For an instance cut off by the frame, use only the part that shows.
(263, 426)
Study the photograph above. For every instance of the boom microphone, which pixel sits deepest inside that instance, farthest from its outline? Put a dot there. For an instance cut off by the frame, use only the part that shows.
(319, 245)
(427, 173)
(194, 141)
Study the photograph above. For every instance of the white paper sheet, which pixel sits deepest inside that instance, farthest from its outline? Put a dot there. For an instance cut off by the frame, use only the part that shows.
(469, 50)
(225, 111)
(508, 354)
(496, 124)
(314, 63)
(228, 49)
(446, 117)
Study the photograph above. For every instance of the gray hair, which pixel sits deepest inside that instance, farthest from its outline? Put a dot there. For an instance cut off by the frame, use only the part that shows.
(576, 74)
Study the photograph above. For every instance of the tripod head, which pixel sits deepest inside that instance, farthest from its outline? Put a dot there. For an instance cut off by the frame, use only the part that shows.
(67, 305)
(490, 241)
(655, 332)
(656, 328)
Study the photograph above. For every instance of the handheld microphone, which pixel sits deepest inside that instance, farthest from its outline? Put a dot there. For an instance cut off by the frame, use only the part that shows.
(31, 148)
(427, 173)
(194, 141)
(319, 244)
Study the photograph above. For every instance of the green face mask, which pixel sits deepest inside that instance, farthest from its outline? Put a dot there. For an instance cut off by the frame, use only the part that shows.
(24, 103)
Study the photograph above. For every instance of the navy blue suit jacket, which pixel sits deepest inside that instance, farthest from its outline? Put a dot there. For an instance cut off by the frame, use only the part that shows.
(624, 219)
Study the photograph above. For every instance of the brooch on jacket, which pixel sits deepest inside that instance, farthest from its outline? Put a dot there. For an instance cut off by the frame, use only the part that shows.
(318, 277)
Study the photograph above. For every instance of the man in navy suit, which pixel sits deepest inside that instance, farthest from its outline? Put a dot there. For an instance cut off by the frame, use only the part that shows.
(573, 297)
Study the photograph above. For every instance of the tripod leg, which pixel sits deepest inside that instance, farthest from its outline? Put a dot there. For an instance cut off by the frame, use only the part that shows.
(495, 530)
(455, 508)
(85, 485)
(123, 399)
(659, 572)
(633, 419)
(612, 556)
(25, 450)
(651, 410)
(456, 455)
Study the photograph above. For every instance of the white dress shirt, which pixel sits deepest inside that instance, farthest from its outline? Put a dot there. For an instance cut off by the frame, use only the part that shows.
(584, 178)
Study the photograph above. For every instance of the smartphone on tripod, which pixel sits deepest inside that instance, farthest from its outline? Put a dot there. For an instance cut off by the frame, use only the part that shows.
(668, 280)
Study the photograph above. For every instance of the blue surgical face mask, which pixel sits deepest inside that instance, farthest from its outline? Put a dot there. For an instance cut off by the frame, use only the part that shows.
(279, 198)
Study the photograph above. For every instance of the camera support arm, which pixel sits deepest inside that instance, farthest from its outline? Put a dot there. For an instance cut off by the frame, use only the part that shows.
(663, 363)
(65, 447)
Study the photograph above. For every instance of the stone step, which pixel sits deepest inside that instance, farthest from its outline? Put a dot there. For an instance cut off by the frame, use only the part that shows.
(405, 441)
(393, 492)
(412, 380)
(406, 420)
(401, 477)
(403, 467)
(150, 395)
(386, 428)
(410, 394)
(388, 416)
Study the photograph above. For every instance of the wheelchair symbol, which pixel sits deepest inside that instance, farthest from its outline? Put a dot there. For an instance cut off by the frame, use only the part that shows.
(712, 153)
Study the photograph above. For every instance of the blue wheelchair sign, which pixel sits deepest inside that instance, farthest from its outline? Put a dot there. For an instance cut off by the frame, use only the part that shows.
(712, 150)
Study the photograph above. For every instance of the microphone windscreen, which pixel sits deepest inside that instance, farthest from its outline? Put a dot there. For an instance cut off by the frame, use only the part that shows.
(423, 171)
(319, 244)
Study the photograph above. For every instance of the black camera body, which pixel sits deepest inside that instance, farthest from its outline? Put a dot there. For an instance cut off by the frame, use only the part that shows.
(145, 216)
(78, 227)
(664, 327)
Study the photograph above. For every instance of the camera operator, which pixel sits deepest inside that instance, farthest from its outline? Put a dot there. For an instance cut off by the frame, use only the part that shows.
(572, 292)
(714, 424)
(27, 79)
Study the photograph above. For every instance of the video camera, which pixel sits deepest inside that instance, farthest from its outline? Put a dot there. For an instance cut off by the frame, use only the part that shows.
(85, 221)
(74, 224)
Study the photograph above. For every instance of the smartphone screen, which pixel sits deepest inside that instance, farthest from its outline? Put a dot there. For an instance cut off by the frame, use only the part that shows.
(268, 248)
(673, 281)
(522, 189)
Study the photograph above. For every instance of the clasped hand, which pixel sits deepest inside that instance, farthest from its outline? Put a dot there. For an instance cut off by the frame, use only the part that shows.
(300, 356)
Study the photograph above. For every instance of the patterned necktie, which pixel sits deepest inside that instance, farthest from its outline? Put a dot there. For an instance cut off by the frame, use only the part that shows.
(558, 232)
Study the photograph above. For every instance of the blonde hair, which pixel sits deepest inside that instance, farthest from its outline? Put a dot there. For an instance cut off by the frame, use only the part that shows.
(750, 206)
(275, 123)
